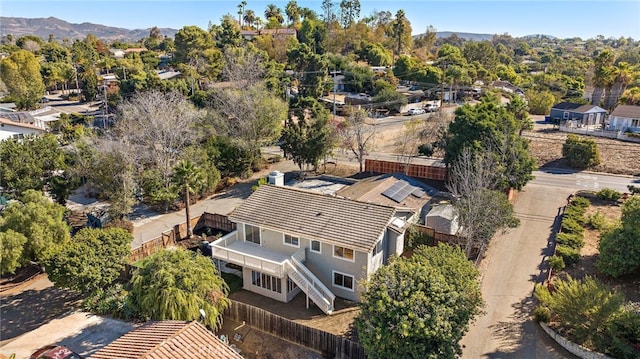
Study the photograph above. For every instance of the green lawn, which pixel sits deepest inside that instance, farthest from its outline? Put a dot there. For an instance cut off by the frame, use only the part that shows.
(233, 281)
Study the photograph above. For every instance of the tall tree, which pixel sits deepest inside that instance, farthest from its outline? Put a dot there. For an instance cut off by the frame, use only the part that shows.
(187, 176)
(619, 247)
(520, 109)
(38, 219)
(293, 12)
(30, 163)
(603, 74)
(425, 302)
(328, 13)
(11, 247)
(176, 284)
(401, 33)
(93, 260)
(20, 72)
(274, 14)
(349, 12)
(356, 135)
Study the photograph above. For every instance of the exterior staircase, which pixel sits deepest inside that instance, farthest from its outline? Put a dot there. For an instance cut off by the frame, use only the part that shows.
(311, 285)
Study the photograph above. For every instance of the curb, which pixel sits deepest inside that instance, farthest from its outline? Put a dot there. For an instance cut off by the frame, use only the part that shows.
(571, 347)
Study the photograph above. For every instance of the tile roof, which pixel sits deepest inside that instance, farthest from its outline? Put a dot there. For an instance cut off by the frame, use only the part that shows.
(167, 339)
(627, 111)
(353, 224)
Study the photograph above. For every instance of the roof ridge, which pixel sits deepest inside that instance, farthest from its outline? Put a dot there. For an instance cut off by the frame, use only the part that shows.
(318, 194)
(163, 341)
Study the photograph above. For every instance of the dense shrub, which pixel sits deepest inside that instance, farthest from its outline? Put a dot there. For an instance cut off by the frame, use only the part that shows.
(542, 314)
(608, 194)
(598, 221)
(575, 213)
(571, 226)
(619, 247)
(113, 301)
(588, 313)
(569, 255)
(581, 152)
(572, 240)
(557, 263)
(581, 202)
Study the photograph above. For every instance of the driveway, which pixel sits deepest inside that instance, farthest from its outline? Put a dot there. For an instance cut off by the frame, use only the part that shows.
(513, 265)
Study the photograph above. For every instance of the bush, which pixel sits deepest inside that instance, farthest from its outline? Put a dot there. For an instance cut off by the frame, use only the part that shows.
(557, 263)
(623, 335)
(609, 194)
(575, 241)
(571, 226)
(598, 221)
(569, 255)
(542, 314)
(581, 153)
(112, 301)
(575, 213)
(123, 223)
(581, 202)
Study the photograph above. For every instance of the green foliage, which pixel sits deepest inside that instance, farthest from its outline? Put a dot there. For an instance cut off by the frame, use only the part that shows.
(557, 263)
(568, 254)
(619, 247)
(391, 99)
(489, 126)
(608, 194)
(233, 282)
(415, 238)
(113, 301)
(175, 284)
(94, 259)
(29, 163)
(634, 189)
(540, 102)
(598, 221)
(580, 202)
(582, 309)
(542, 314)
(571, 226)
(572, 240)
(38, 219)
(424, 302)
(230, 158)
(20, 72)
(623, 331)
(581, 153)
(11, 247)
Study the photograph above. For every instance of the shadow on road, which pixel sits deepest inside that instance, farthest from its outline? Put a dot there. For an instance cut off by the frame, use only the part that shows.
(28, 310)
(97, 336)
(517, 334)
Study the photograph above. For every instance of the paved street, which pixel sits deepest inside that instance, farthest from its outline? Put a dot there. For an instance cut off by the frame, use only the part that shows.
(515, 262)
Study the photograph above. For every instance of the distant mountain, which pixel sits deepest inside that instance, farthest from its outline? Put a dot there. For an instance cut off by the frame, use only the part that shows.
(42, 27)
(475, 37)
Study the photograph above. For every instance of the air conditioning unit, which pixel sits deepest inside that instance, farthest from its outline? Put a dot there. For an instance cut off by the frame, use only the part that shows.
(276, 178)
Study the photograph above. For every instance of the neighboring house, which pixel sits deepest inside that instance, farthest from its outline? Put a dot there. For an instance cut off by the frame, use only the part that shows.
(168, 74)
(625, 118)
(117, 53)
(442, 218)
(168, 339)
(13, 129)
(410, 197)
(276, 33)
(578, 115)
(508, 87)
(290, 240)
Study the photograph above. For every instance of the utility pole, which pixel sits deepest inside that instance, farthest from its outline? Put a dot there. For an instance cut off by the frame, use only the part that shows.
(334, 94)
(444, 67)
(75, 69)
(104, 110)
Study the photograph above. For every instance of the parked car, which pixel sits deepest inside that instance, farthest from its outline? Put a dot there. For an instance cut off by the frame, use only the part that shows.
(416, 111)
(55, 352)
(431, 107)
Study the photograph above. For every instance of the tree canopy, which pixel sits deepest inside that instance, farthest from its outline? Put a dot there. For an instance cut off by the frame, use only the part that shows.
(619, 247)
(94, 259)
(20, 72)
(174, 284)
(424, 302)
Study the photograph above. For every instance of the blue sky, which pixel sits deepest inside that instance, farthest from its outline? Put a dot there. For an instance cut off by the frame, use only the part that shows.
(561, 18)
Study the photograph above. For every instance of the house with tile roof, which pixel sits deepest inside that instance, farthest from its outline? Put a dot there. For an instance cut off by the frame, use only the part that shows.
(169, 339)
(290, 240)
(575, 115)
(625, 118)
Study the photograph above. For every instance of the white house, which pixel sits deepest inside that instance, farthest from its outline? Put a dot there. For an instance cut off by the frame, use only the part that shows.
(290, 240)
(625, 118)
(11, 129)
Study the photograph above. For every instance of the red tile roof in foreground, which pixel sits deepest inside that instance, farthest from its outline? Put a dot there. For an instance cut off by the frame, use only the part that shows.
(167, 340)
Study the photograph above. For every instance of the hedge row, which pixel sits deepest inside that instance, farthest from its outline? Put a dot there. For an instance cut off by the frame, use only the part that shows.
(571, 237)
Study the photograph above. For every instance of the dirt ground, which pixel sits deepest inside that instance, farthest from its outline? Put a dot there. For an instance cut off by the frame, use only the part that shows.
(629, 285)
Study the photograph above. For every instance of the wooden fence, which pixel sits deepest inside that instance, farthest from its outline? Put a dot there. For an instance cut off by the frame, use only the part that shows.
(438, 237)
(330, 345)
(170, 237)
(415, 169)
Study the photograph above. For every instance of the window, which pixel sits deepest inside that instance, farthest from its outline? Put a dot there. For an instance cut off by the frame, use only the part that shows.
(291, 240)
(377, 249)
(290, 285)
(343, 280)
(266, 281)
(252, 234)
(565, 115)
(315, 246)
(342, 252)
(635, 122)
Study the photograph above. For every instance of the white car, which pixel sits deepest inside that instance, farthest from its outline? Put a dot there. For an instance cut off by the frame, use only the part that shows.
(416, 111)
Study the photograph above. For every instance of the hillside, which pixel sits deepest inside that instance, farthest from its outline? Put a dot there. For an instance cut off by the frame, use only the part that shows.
(42, 27)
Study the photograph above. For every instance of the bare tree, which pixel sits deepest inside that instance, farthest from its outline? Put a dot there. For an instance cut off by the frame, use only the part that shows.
(356, 135)
(481, 210)
(157, 127)
(414, 133)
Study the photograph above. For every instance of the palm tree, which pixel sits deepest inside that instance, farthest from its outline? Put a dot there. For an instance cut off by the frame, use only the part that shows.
(292, 11)
(273, 11)
(623, 76)
(188, 176)
(602, 75)
(250, 18)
